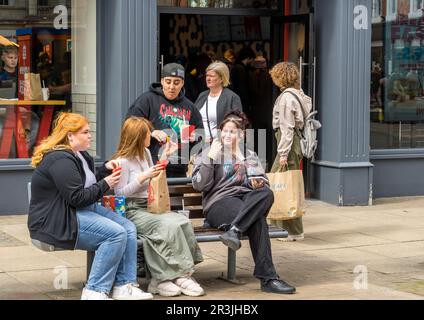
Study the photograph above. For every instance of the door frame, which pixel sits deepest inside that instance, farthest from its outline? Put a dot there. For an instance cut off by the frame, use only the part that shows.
(279, 44)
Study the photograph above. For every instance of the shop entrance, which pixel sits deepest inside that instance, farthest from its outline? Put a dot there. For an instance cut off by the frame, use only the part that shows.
(195, 37)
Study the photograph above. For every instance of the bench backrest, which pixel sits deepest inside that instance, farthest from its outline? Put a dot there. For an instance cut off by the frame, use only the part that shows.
(192, 199)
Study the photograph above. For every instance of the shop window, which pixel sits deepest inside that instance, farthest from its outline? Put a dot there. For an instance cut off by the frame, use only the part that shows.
(4, 2)
(397, 79)
(416, 8)
(47, 67)
(247, 4)
(376, 11)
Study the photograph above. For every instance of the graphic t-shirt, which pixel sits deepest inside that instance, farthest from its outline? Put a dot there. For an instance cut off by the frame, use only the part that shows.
(168, 116)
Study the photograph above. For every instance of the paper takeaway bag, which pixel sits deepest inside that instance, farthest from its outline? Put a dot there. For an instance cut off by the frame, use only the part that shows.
(158, 195)
(289, 195)
(32, 87)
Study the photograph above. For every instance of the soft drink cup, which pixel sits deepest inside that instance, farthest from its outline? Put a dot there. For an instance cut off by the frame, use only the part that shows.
(45, 93)
(186, 131)
(185, 213)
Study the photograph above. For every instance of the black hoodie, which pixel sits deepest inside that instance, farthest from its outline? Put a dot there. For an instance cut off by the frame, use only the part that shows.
(57, 191)
(166, 115)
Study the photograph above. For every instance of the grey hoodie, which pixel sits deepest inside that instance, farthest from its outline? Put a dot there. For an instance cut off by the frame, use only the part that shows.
(231, 179)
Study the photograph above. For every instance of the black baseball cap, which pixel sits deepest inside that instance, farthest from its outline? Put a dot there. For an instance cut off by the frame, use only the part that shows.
(173, 70)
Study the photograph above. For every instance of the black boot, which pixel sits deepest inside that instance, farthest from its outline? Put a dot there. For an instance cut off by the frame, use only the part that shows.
(277, 286)
(231, 239)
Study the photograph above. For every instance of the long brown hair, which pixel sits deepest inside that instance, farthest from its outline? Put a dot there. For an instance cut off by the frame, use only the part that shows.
(133, 136)
(238, 118)
(58, 140)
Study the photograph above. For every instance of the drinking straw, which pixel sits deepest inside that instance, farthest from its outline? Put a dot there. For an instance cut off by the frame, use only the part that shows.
(44, 85)
(183, 205)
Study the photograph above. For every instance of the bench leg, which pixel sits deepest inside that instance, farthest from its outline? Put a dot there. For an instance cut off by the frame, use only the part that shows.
(231, 268)
(90, 258)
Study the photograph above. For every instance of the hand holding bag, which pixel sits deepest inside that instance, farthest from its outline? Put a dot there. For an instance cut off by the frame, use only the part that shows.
(289, 195)
(158, 193)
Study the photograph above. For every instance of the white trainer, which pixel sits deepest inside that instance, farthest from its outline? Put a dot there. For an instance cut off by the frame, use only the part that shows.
(164, 288)
(130, 292)
(93, 295)
(189, 286)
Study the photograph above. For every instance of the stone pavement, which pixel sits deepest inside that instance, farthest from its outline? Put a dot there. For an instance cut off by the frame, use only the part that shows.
(351, 253)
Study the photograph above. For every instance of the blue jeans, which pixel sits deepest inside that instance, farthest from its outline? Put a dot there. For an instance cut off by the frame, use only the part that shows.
(115, 241)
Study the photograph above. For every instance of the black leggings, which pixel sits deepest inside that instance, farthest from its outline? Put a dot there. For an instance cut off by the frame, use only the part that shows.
(248, 213)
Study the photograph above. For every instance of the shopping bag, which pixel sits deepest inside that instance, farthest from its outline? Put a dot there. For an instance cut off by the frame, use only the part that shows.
(158, 194)
(289, 195)
(32, 87)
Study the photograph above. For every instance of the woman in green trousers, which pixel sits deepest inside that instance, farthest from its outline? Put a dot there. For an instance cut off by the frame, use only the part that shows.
(288, 119)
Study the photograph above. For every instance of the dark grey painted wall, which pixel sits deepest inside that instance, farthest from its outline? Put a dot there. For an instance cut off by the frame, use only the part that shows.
(342, 171)
(398, 177)
(13, 189)
(127, 63)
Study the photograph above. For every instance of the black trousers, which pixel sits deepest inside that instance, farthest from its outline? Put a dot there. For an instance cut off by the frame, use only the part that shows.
(248, 213)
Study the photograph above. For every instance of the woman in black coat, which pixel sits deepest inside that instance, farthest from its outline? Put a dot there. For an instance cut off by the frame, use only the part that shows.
(218, 100)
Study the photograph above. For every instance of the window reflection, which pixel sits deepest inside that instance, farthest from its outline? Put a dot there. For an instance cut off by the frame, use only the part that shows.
(397, 75)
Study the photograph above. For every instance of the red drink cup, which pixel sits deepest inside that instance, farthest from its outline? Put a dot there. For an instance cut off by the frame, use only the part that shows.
(186, 131)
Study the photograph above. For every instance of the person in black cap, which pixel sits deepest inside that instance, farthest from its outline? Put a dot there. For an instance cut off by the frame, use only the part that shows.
(167, 108)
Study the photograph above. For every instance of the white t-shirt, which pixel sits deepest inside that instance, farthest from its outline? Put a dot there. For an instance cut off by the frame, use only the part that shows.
(90, 178)
(213, 116)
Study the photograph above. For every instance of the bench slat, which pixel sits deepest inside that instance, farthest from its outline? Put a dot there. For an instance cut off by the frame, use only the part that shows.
(188, 201)
(180, 190)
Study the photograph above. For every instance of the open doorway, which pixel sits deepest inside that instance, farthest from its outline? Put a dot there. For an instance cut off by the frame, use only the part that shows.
(195, 37)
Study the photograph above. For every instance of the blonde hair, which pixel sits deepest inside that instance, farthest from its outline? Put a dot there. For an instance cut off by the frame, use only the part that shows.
(58, 140)
(222, 70)
(285, 75)
(10, 50)
(133, 137)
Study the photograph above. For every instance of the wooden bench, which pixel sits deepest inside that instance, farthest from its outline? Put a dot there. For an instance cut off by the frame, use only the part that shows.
(181, 188)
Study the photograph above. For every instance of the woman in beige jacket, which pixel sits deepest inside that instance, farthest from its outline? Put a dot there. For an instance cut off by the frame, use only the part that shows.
(287, 117)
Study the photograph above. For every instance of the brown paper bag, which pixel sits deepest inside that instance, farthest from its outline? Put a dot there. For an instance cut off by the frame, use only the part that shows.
(289, 195)
(32, 87)
(158, 199)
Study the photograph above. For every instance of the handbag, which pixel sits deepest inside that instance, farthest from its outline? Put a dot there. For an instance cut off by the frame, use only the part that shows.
(289, 195)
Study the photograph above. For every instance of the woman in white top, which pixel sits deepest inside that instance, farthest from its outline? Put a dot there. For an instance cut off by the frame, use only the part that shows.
(218, 101)
(169, 246)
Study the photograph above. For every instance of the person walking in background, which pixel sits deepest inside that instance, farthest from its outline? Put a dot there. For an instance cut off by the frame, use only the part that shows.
(64, 211)
(170, 247)
(218, 100)
(237, 198)
(240, 75)
(287, 120)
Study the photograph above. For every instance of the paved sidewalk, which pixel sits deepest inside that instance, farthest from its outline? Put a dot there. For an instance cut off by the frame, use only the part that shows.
(385, 240)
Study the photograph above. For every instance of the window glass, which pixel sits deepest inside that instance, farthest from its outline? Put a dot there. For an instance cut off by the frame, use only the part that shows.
(247, 4)
(397, 75)
(47, 66)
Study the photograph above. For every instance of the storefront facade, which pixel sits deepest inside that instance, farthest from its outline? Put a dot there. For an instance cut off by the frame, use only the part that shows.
(117, 47)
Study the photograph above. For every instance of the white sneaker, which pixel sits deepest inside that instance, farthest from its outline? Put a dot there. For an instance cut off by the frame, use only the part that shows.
(164, 288)
(189, 286)
(93, 295)
(130, 292)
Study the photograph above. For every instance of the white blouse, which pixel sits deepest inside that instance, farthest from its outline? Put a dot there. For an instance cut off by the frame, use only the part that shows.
(129, 186)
